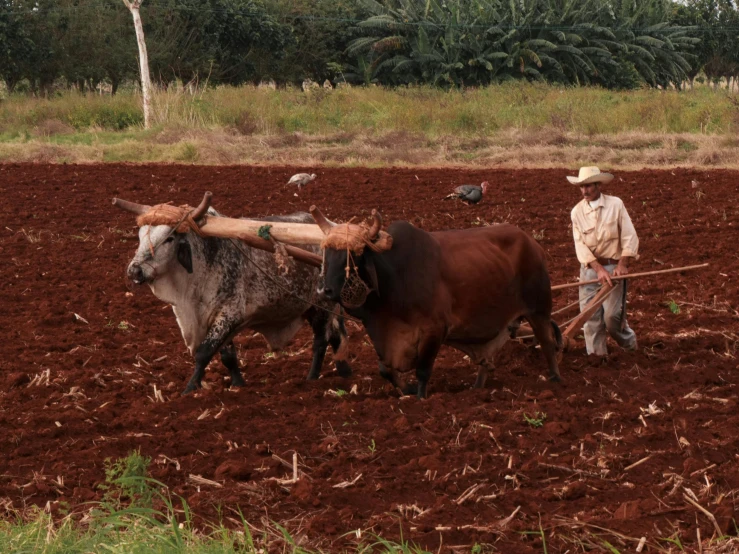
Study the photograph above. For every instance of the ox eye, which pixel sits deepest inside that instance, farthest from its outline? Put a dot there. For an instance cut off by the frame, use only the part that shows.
(169, 239)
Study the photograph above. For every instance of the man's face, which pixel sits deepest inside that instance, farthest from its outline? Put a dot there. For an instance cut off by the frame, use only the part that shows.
(590, 192)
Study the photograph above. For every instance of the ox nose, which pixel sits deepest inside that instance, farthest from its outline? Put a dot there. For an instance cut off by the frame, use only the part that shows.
(326, 293)
(135, 273)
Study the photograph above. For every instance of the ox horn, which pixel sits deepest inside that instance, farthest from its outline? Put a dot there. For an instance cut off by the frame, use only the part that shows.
(199, 212)
(323, 223)
(138, 209)
(376, 224)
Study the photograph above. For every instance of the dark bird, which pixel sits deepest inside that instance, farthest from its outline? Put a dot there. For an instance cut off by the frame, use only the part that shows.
(471, 194)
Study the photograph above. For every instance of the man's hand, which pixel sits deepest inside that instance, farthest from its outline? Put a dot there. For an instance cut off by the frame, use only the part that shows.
(622, 268)
(603, 276)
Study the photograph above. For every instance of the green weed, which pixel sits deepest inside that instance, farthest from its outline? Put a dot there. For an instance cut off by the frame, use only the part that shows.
(674, 540)
(539, 533)
(535, 420)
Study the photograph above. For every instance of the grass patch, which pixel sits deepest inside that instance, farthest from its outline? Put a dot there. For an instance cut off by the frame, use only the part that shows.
(686, 145)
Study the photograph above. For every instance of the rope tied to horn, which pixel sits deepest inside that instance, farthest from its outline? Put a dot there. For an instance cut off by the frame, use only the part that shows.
(355, 237)
(351, 236)
(178, 217)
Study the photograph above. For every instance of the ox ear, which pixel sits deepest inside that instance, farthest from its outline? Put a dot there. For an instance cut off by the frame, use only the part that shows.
(369, 268)
(184, 255)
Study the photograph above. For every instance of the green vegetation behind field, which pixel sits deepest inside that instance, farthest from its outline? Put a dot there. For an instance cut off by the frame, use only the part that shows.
(374, 125)
(377, 110)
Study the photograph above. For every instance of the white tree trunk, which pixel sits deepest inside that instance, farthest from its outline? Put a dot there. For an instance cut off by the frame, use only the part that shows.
(133, 6)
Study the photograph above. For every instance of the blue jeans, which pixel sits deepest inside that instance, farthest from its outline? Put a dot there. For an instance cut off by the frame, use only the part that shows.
(606, 318)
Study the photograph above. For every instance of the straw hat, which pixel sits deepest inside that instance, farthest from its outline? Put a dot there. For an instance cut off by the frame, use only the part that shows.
(589, 175)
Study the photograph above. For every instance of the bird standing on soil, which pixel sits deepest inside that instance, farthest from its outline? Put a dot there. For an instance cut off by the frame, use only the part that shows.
(471, 194)
(301, 179)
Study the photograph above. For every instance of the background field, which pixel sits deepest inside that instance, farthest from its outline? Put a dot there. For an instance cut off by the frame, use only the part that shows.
(512, 125)
(449, 471)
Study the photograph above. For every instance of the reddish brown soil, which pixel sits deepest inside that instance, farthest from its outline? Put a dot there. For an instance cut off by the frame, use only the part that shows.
(410, 462)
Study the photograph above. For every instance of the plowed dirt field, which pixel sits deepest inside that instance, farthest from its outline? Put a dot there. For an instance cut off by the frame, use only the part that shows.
(83, 350)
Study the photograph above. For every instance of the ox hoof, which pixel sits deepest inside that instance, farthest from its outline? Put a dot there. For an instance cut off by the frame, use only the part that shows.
(410, 389)
(190, 388)
(555, 379)
(343, 369)
(238, 382)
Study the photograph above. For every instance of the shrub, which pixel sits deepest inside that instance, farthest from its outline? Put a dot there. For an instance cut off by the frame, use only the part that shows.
(117, 118)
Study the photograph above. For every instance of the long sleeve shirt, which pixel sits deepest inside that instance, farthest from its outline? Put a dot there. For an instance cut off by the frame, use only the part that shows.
(603, 230)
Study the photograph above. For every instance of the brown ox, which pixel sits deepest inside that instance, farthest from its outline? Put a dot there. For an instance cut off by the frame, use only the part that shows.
(415, 291)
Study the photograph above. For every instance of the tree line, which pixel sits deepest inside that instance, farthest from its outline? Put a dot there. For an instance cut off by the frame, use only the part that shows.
(449, 43)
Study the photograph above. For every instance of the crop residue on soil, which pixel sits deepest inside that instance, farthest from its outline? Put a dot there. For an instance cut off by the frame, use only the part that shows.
(84, 351)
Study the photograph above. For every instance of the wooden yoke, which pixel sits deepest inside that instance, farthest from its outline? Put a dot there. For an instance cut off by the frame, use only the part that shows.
(247, 230)
(303, 256)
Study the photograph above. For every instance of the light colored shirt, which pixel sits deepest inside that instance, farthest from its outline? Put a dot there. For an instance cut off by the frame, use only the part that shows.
(603, 230)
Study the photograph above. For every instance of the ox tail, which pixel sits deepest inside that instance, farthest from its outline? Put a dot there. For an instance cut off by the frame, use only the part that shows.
(557, 335)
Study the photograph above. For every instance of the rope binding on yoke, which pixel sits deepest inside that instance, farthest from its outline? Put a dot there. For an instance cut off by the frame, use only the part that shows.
(178, 217)
(181, 218)
(353, 237)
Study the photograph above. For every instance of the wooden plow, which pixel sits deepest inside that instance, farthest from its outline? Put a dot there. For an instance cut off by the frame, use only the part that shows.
(271, 235)
(574, 325)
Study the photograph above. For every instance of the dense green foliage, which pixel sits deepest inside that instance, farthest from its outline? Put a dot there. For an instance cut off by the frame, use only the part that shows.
(611, 43)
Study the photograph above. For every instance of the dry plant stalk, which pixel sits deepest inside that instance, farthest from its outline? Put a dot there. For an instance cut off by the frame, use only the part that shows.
(699, 471)
(294, 466)
(345, 484)
(632, 466)
(157, 394)
(466, 495)
(41, 379)
(200, 480)
(504, 522)
(572, 470)
(705, 512)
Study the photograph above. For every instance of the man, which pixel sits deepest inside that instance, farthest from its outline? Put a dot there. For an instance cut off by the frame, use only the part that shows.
(605, 243)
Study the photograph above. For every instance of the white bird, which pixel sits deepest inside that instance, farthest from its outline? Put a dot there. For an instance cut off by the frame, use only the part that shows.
(301, 179)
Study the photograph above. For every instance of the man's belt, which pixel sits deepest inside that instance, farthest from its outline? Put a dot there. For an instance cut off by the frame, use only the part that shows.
(606, 261)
